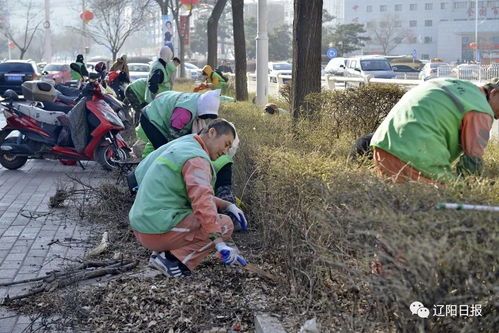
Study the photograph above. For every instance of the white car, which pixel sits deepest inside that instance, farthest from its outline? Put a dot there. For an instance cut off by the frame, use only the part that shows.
(435, 69)
(192, 71)
(281, 68)
(138, 70)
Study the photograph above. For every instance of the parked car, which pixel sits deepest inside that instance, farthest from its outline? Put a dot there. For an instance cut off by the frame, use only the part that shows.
(377, 67)
(138, 71)
(192, 71)
(435, 69)
(60, 73)
(404, 69)
(281, 68)
(14, 72)
(336, 66)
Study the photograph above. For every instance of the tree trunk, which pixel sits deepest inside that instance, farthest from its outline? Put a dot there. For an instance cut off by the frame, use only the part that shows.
(307, 35)
(212, 32)
(239, 50)
(181, 51)
(22, 52)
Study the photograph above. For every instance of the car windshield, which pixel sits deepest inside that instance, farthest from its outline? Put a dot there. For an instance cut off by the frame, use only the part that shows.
(190, 66)
(138, 68)
(375, 65)
(53, 68)
(16, 67)
(438, 64)
(282, 67)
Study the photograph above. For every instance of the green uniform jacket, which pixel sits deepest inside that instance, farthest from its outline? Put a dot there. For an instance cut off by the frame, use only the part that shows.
(139, 87)
(159, 112)
(75, 75)
(162, 200)
(221, 82)
(167, 82)
(422, 129)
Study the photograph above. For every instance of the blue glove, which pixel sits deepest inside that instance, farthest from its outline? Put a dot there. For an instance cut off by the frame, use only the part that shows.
(239, 215)
(229, 255)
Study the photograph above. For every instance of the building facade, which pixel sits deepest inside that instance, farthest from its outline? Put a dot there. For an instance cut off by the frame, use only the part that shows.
(431, 29)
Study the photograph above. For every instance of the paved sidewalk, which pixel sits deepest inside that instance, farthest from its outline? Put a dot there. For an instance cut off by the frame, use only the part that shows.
(29, 234)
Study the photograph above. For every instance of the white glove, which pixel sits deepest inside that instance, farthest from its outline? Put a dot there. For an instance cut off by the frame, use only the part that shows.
(229, 255)
(239, 215)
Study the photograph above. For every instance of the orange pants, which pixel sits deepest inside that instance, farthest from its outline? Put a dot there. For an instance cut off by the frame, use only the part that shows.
(391, 166)
(187, 242)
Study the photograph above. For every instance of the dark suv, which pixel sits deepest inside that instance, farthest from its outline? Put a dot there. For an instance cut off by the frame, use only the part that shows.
(14, 72)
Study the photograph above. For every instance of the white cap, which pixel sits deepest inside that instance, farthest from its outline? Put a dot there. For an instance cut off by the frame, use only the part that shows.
(209, 102)
(166, 53)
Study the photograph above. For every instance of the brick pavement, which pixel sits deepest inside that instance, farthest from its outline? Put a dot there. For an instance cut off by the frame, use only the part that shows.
(28, 232)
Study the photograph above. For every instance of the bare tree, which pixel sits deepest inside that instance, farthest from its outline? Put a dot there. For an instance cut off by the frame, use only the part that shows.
(22, 35)
(307, 35)
(212, 31)
(387, 32)
(115, 21)
(239, 50)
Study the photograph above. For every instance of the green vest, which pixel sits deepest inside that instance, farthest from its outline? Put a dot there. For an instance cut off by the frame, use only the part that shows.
(221, 81)
(139, 87)
(74, 74)
(422, 129)
(159, 112)
(163, 86)
(162, 200)
(222, 161)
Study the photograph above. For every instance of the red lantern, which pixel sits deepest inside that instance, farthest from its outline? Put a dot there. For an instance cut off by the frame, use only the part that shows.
(189, 2)
(472, 45)
(12, 44)
(86, 16)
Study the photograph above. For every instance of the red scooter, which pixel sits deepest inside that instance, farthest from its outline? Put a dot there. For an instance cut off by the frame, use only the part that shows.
(89, 131)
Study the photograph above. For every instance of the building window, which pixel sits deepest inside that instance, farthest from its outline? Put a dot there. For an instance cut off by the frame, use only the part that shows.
(443, 5)
(412, 24)
(427, 40)
(428, 6)
(369, 9)
(413, 6)
(398, 8)
(397, 24)
(428, 23)
(425, 56)
(382, 8)
(460, 4)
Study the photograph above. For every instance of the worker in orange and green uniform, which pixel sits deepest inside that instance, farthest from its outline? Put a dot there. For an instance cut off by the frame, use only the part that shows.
(433, 125)
(212, 80)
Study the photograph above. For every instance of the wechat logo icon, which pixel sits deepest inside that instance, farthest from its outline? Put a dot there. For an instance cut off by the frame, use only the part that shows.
(419, 309)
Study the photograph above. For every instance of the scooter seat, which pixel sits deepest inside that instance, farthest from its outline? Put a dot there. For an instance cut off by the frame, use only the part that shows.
(51, 106)
(51, 117)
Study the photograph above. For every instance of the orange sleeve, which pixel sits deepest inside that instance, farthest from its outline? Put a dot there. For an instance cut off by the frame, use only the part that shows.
(197, 177)
(475, 132)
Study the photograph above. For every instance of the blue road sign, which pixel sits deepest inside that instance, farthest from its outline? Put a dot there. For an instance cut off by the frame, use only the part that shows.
(414, 53)
(332, 53)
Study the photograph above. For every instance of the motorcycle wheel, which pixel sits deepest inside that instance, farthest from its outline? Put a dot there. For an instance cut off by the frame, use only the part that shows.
(12, 161)
(107, 156)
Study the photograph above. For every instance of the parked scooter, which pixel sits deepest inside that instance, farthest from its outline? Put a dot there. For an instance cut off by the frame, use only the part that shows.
(89, 131)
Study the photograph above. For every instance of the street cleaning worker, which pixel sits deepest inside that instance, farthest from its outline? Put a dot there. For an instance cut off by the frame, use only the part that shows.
(135, 94)
(212, 80)
(160, 75)
(174, 114)
(434, 124)
(273, 109)
(78, 68)
(175, 210)
(223, 169)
